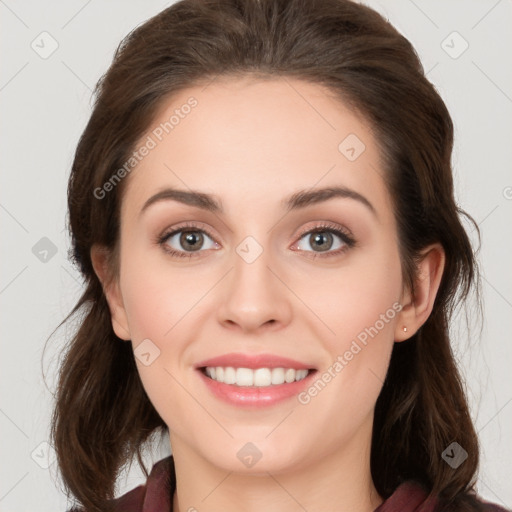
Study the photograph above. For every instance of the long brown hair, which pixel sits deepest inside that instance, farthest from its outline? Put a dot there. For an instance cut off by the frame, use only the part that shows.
(102, 415)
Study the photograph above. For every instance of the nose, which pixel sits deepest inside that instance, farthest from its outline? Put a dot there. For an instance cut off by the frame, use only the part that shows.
(254, 297)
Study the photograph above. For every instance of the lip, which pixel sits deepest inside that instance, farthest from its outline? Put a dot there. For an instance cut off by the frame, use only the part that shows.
(253, 361)
(252, 396)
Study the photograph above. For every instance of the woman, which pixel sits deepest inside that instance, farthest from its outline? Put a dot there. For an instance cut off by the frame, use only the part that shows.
(262, 207)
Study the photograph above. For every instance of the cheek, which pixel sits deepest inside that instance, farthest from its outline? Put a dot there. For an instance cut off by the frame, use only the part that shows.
(154, 309)
(159, 301)
(155, 294)
(363, 292)
(349, 312)
(358, 307)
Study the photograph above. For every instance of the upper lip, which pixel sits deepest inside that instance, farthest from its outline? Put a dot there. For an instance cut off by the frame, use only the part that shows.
(239, 360)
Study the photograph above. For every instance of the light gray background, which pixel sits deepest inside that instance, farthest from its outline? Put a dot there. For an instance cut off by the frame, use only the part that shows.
(45, 105)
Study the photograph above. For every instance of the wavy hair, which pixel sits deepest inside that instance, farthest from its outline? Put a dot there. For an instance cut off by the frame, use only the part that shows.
(102, 416)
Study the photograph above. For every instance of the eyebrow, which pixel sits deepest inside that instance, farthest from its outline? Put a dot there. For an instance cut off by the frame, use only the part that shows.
(298, 200)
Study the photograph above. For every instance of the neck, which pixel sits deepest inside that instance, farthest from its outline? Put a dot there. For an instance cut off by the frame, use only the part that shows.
(339, 481)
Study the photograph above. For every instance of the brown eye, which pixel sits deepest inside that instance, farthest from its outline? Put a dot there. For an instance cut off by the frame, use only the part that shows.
(191, 240)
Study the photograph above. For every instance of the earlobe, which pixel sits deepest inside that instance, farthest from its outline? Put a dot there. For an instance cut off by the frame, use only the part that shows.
(418, 303)
(100, 262)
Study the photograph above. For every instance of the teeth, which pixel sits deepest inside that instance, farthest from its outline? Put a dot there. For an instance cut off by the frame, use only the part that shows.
(229, 375)
(289, 375)
(261, 377)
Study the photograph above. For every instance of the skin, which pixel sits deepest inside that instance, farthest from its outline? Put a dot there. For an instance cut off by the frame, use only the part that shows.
(252, 143)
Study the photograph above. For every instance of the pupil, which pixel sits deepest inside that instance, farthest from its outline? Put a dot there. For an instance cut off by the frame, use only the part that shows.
(322, 238)
(190, 240)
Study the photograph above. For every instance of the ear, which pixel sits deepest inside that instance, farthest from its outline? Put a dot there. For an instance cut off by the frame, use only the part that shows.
(100, 262)
(417, 304)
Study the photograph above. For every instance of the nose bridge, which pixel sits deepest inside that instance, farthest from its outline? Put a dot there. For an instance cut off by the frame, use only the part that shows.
(254, 296)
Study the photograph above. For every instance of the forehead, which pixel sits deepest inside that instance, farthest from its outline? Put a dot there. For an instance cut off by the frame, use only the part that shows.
(256, 140)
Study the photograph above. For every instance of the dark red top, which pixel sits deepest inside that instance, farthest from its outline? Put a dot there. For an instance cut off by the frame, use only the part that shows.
(156, 495)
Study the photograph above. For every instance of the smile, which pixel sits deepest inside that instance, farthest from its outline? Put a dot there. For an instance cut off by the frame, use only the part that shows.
(255, 380)
(259, 377)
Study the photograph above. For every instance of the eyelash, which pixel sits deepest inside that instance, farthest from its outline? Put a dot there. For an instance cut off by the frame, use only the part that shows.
(346, 238)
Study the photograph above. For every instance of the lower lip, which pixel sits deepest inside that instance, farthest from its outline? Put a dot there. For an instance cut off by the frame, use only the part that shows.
(256, 396)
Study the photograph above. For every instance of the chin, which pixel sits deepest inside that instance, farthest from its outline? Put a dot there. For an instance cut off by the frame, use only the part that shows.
(257, 458)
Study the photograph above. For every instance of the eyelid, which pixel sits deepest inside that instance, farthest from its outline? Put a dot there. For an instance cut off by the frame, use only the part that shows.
(186, 226)
(327, 226)
(341, 232)
(320, 226)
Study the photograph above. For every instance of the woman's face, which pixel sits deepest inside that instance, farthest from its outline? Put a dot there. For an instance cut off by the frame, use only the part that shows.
(239, 275)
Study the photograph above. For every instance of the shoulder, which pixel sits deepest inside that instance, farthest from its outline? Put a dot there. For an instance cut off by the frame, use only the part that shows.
(411, 496)
(132, 501)
(153, 496)
(487, 506)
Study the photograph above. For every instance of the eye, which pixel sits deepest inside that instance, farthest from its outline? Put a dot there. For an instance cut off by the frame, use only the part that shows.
(186, 240)
(325, 240)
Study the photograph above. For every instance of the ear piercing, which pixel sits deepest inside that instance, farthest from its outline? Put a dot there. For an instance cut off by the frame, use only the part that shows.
(405, 329)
